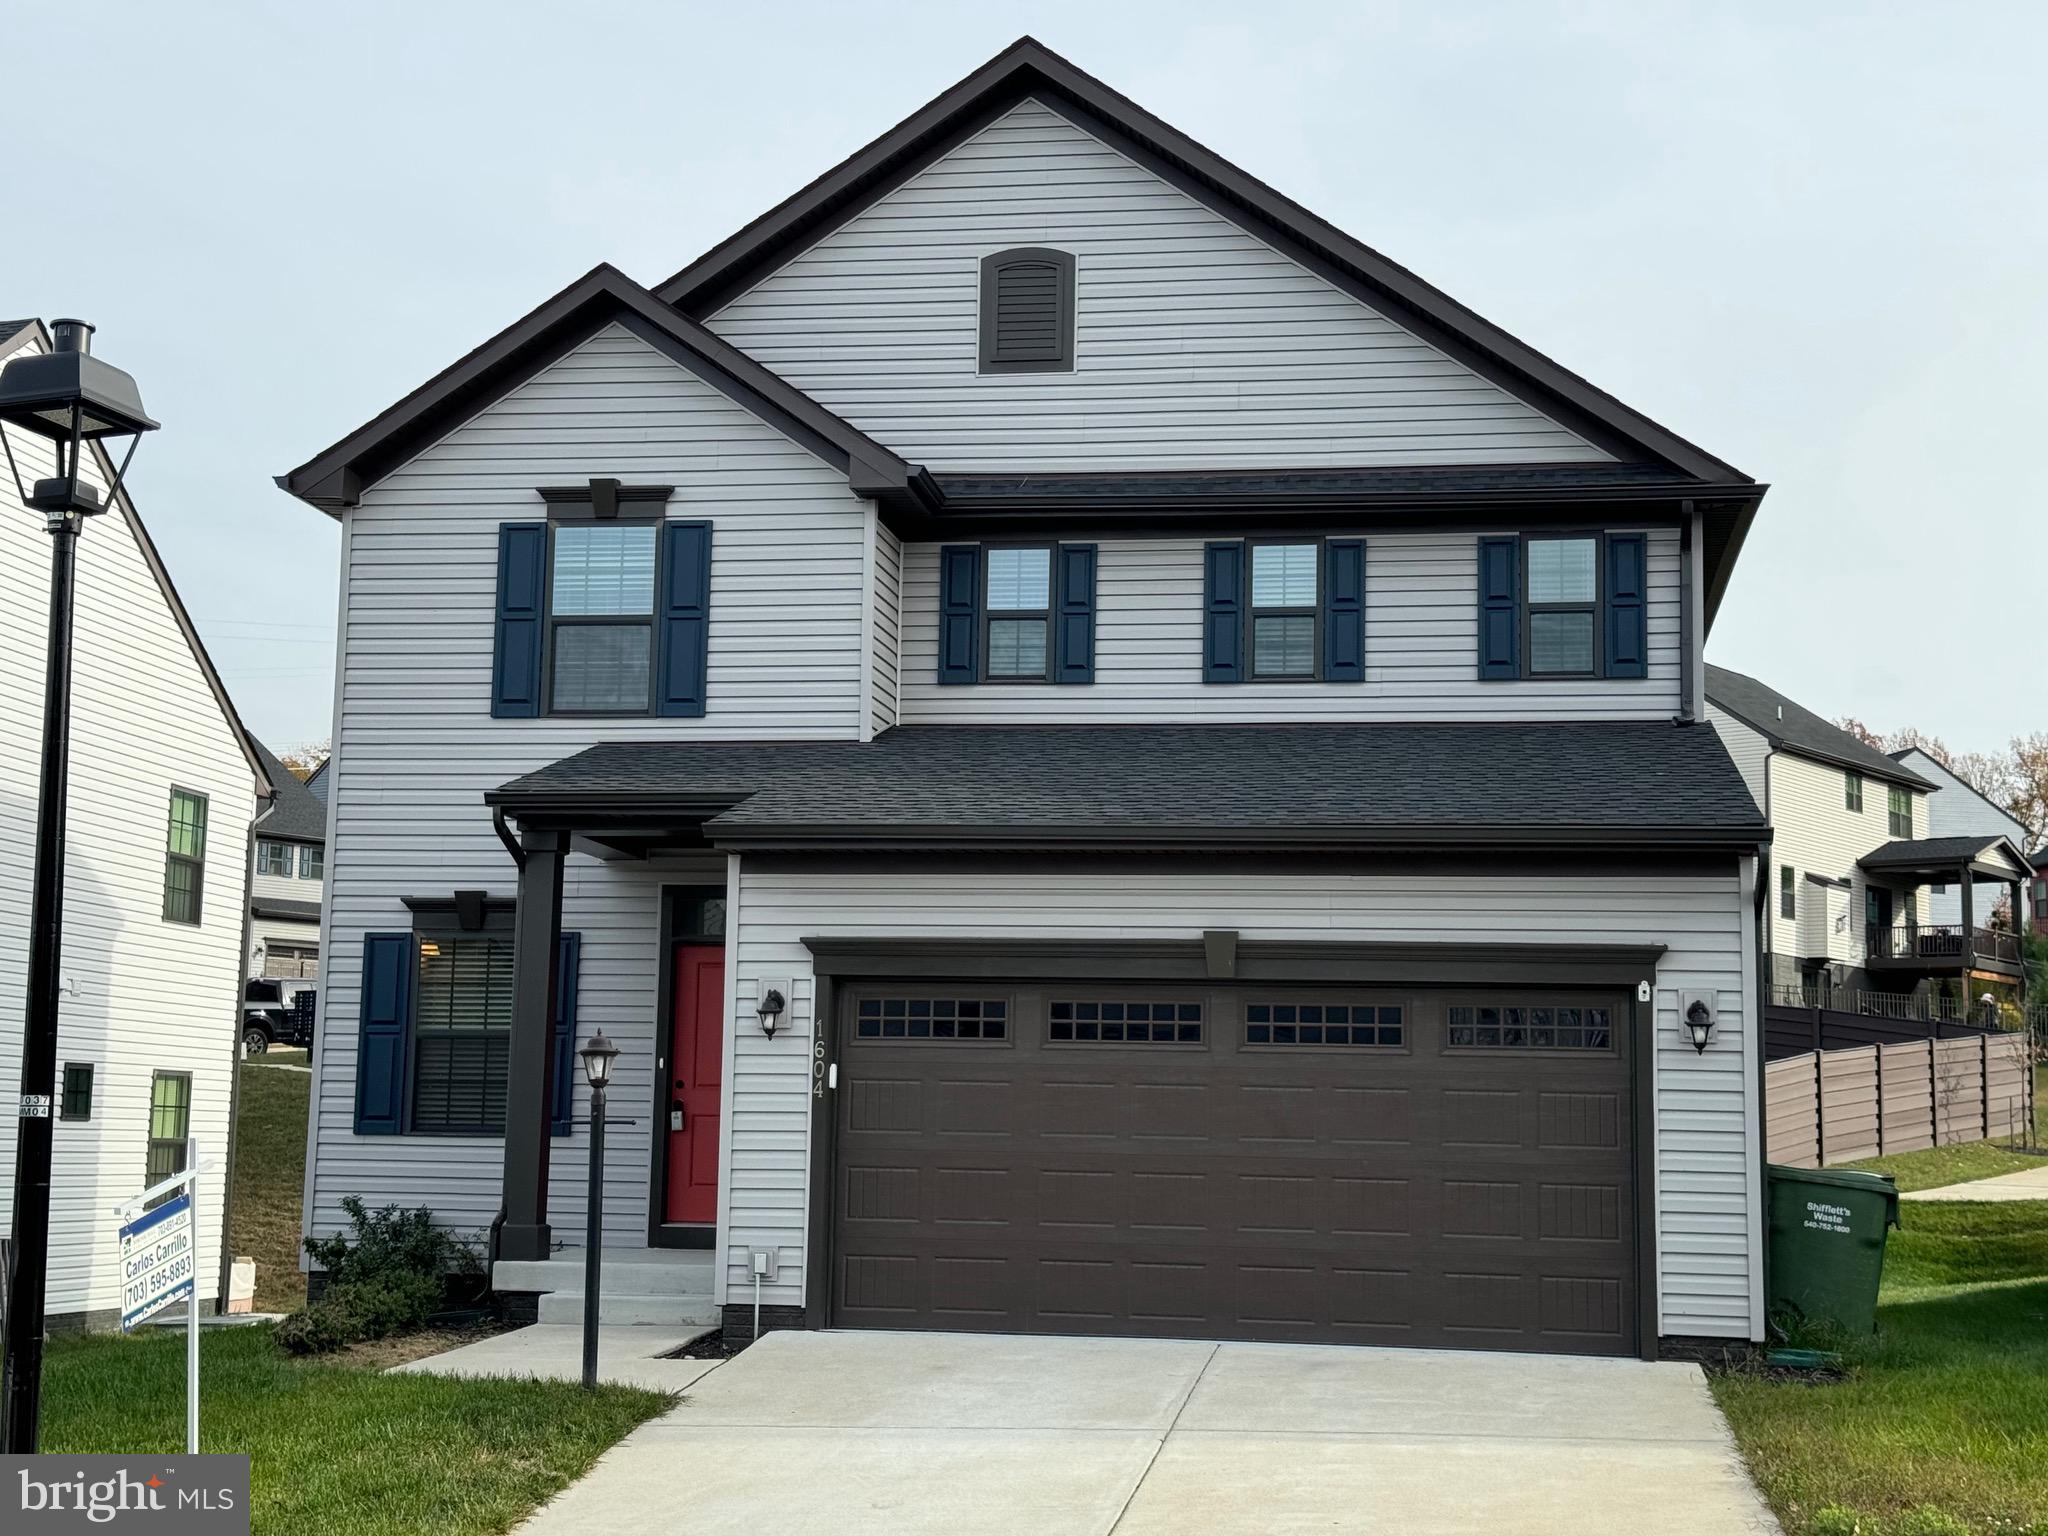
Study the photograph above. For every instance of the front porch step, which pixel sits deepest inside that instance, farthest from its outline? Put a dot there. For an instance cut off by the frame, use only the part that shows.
(627, 1272)
(613, 1309)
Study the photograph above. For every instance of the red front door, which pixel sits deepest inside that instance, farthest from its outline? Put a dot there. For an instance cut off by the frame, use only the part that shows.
(696, 1060)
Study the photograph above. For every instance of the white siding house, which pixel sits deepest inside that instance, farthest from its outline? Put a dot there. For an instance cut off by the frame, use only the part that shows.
(884, 786)
(149, 1001)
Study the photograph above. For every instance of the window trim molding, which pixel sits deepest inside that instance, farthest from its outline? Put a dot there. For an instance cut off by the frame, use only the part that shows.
(1597, 607)
(1049, 613)
(196, 861)
(1067, 278)
(1314, 611)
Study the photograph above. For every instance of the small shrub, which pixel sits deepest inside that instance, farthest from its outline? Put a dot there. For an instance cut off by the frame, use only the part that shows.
(388, 1275)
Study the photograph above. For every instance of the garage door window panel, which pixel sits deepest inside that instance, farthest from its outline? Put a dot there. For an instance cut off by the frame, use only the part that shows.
(1572, 1027)
(1122, 1021)
(1380, 1026)
(925, 1020)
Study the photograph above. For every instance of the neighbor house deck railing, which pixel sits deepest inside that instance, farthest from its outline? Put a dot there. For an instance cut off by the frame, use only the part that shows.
(1941, 941)
(1908, 1008)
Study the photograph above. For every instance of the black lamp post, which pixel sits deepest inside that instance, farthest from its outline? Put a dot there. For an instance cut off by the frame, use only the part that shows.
(598, 1055)
(70, 399)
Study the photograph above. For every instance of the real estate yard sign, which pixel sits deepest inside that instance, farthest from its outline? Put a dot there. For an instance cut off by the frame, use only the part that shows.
(158, 1262)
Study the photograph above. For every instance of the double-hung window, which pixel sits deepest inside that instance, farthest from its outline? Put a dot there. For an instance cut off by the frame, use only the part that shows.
(462, 1034)
(185, 858)
(1899, 810)
(273, 858)
(1788, 891)
(1283, 609)
(1852, 790)
(1018, 613)
(601, 618)
(170, 1122)
(312, 862)
(1563, 606)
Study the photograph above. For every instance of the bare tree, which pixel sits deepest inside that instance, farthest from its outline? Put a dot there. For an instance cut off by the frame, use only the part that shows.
(303, 760)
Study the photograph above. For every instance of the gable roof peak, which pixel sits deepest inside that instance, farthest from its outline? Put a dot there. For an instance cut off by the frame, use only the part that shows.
(1792, 727)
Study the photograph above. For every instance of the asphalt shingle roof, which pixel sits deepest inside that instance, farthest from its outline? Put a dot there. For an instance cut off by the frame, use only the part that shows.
(1440, 780)
(1902, 853)
(298, 814)
(285, 907)
(1799, 729)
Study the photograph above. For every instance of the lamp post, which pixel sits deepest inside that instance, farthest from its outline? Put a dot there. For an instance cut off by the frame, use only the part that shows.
(70, 399)
(598, 1055)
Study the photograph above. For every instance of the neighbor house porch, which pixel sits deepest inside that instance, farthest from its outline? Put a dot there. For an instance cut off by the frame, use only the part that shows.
(1904, 950)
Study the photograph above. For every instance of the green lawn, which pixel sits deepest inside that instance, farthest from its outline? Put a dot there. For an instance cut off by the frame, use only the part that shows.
(334, 1450)
(1941, 1428)
(270, 1169)
(1936, 1166)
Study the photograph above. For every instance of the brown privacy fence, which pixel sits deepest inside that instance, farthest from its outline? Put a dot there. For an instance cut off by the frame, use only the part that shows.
(1835, 1106)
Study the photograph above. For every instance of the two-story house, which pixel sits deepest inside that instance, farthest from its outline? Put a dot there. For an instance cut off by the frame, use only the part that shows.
(287, 878)
(1957, 809)
(1855, 860)
(1112, 760)
(163, 786)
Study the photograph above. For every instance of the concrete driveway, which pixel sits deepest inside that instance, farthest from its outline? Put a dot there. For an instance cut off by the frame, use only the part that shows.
(956, 1434)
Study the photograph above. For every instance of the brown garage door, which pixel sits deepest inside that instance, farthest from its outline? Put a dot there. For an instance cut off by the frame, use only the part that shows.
(1377, 1167)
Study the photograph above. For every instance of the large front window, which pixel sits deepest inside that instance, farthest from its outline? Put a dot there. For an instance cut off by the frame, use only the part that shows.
(1019, 606)
(601, 618)
(1563, 596)
(1284, 610)
(462, 1035)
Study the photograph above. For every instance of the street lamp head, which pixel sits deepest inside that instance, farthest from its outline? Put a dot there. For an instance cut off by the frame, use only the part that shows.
(598, 1054)
(69, 397)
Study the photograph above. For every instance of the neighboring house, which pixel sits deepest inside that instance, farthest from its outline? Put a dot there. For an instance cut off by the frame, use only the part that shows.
(317, 781)
(1112, 761)
(163, 785)
(1957, 810)
(286, 881)
(1855, 857)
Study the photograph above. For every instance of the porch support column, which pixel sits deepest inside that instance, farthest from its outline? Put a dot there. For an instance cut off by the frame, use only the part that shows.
(1969, 936)
(537, 941)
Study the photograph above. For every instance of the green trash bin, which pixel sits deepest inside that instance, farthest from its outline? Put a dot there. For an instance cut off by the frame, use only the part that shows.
(1827, 1243)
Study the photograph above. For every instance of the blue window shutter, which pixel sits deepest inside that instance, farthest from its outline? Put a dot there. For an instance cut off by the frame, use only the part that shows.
(960, 613)
(385, 1032)
(1074, 615)
(1223, 613)
(1344, 611)
(1627, 590)
(522, 589)
(1500, 609)
(562, 1100)
(682, 619)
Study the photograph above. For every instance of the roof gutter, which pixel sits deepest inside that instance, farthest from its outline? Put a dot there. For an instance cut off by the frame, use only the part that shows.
(1303, 838)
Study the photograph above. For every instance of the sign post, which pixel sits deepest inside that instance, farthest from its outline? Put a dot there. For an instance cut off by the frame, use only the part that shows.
(160, 1267)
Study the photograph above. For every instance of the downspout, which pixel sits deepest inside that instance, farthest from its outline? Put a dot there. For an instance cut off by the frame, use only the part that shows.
(227, 1188)
(503, 828)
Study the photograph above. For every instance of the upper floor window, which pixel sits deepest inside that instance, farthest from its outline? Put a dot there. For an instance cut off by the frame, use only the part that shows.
(1899, 806)
(1563, 606)
(604, 609)
(1852, 790)
(1563, 593)
(1284, 588)
(273, 858)
(312, 862)
(185, 857)
(1027, 311)
(601, 619)
(1788, 891)
(1019, 613)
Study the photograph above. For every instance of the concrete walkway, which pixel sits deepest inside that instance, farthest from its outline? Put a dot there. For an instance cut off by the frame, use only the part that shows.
(629, 1356)
(2027, 1184)
(824, 1434)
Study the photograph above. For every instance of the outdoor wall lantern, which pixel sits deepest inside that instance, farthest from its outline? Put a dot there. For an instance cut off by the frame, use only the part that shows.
(771, 1009)
(1699, 1022)
(72, 400)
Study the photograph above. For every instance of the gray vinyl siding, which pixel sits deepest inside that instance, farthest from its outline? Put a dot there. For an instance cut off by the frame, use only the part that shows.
(1705, 1154)
(146, 995)
(886, 644)
(1198, 344)
(416, 747)
(1750, 750)
(1421, 639)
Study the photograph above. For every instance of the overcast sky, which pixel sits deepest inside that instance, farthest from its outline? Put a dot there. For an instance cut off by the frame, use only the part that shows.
(1808, 237)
